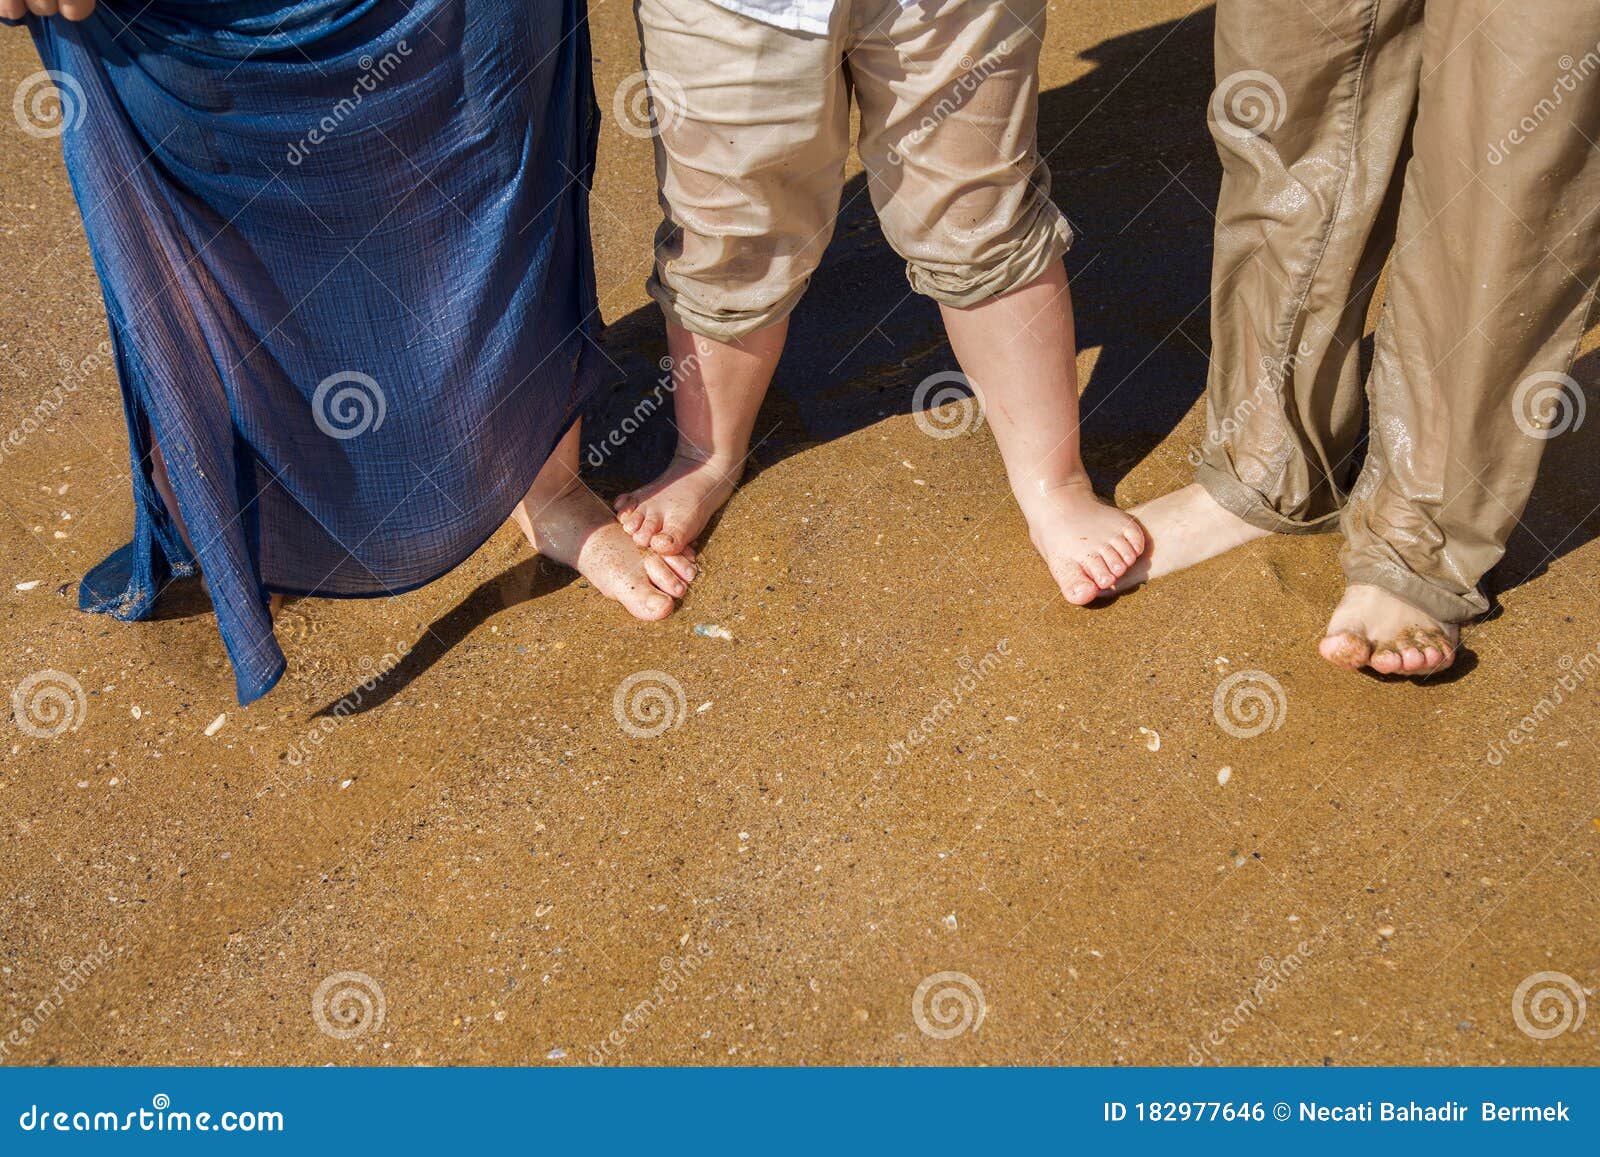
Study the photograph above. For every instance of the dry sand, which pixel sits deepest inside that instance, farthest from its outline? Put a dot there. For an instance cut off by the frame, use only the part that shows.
(509, 870)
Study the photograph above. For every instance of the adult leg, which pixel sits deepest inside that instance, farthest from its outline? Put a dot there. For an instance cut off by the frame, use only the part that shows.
(753, 129)
(1311, 116)
(568, 523)
(1490, 291)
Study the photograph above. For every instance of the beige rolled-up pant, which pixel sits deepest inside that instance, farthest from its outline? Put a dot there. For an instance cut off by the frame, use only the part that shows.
(1457, 138)
(753, 131)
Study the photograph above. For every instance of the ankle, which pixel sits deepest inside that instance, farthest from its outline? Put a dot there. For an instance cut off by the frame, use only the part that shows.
(1037, 491)
(696, 455)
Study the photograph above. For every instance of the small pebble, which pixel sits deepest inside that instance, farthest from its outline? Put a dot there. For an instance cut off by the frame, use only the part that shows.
(136, 711)
(1387, 931)
(1224, 774)
(703, 708)
(556, 1054)
(713, 631)
(29, 585)
(950, 922)
(1152, 739)
(216, 724)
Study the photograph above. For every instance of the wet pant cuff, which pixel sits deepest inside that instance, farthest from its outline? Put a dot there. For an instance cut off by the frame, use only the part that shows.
(724, 325)
(1446, 606)
(1237, 498)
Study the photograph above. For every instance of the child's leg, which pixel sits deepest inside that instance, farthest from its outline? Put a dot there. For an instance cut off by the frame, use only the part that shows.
(565, 521)
(1020, 353)
(719, 387)
(949, 102)
(753, 125)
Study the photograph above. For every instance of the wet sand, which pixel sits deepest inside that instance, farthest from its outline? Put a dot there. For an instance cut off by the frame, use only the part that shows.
(479, 864)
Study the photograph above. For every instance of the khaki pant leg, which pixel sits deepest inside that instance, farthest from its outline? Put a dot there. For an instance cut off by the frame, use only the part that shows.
(1311, 115)
(949, 99)
(752, 129)
(1491, 288)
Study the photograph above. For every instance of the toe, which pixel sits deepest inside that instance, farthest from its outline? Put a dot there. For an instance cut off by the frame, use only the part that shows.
(1076, 586)
(1346, 650)
(1412, 660)
(1125, 551)
(1115, 563)
(625, 503)
(649, 526)
(663, 577)
(1386, 661)
(1096, 569)
(630, 520)
(1134, 536)
(683, 565)
(667, 542)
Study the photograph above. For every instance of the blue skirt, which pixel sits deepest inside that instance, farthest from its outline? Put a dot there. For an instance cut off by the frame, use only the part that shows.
(344, 246)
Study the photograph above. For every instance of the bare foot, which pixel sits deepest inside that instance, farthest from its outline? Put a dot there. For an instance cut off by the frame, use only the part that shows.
(575, 529)
(1185, 527)
(667, 515)
(1085, 541)
(1373, 628)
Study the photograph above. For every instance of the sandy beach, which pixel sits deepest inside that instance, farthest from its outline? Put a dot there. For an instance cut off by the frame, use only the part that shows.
(875, 794)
